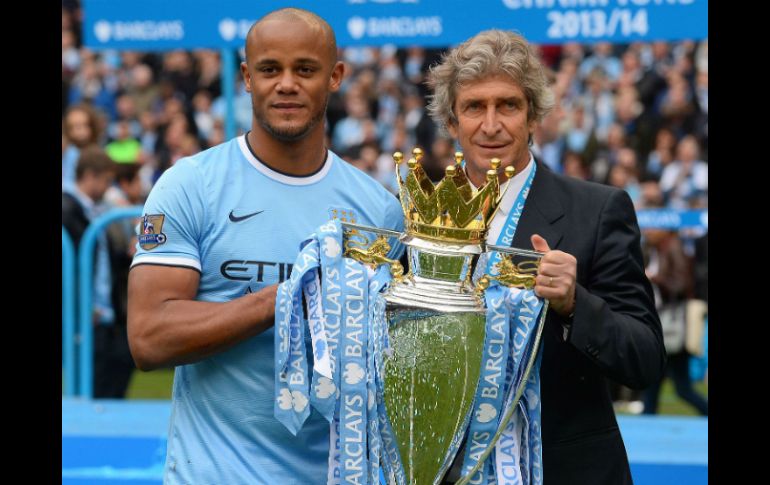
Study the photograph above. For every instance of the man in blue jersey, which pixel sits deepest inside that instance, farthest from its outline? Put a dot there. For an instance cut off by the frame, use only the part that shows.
(220, 230)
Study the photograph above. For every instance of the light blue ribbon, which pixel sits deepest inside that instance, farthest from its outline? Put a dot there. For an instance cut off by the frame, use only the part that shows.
(355, 335)
(291, 406)
(488, 401)
(326, 391)
(353, 404)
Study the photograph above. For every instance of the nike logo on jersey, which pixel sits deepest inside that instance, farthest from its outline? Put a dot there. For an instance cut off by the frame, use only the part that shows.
(235, 218)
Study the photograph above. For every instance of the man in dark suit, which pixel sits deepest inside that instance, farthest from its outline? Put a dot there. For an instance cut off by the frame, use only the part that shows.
(80, 205)
(489, 94)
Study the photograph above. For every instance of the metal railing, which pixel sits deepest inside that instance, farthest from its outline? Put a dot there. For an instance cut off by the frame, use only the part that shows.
(68, 312)
(78, 366)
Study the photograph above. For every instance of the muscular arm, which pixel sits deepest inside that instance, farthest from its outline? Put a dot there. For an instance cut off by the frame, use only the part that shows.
(167, 327)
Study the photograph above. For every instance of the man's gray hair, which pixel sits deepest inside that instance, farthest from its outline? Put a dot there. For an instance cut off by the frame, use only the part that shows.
(489, 53)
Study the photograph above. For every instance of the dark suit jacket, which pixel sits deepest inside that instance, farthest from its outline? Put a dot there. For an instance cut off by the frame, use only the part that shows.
(73, 218)
(75, 221)
(615, 331)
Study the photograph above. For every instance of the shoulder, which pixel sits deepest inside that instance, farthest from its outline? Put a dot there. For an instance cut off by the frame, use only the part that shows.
(579, 192)
(198, 169)
(71, 208)
(68, 201)
(360, 179)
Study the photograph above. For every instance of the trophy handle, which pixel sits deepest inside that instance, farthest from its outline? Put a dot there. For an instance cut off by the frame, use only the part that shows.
(510, 274)
(517, 396)
(374, 254)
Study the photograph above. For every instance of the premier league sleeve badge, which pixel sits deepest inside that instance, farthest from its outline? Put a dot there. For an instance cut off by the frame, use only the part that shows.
(151, 235)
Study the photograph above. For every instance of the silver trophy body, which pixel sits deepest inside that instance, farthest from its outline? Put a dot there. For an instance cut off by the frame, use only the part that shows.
(436, 330)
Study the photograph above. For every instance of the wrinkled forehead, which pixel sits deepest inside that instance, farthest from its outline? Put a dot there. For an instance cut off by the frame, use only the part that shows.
(498, 83)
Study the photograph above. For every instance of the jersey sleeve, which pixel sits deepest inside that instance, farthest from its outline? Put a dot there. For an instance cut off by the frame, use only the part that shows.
(173, 219)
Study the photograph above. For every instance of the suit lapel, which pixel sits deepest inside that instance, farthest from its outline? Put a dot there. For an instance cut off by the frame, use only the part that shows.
(542, 214)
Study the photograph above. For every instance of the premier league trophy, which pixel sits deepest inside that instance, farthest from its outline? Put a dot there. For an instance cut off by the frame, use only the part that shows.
(437, 317)
(408, 366)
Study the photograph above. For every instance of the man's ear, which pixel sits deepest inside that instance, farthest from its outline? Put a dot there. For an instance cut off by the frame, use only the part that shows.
(451, 127)
(338, 72)
(246, 76)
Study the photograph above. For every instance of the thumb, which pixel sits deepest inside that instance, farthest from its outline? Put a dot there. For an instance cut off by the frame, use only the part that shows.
(539, 244)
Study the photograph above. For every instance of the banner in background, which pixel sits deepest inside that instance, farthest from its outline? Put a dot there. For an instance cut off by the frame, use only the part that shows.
(673, 219)
(188, 24)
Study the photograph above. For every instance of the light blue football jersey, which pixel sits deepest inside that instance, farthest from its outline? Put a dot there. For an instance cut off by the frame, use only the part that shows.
(226, 214)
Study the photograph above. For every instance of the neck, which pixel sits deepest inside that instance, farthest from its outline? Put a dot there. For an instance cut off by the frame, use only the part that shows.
(299, 158)
(85, 189)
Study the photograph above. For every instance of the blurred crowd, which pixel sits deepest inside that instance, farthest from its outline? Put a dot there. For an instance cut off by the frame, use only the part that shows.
(634, 116)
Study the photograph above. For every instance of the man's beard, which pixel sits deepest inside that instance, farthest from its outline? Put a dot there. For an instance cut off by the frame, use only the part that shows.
(295, 133)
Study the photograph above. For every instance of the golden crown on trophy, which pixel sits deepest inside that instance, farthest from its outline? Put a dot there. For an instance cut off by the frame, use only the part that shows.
(452, 210)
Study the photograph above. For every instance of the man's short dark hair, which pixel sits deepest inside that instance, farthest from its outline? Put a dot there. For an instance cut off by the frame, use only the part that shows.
(93, 159)
(126, 172)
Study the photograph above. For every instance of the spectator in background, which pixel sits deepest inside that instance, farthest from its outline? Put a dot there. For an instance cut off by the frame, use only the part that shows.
(70, 55)
(415, 65)
(548, 144)
(357, 127)
(648, 80)
(358, 57)
(175, 143)
(202, 115)
(94, 84)
(420, 128)
(676, 107)
(568, 82)
(366, 83)
(389, 67)
(629, 113)
(81, 128)
(141, 89)
(388, 108)
(602, 58)
(575, 166)
(209, 69)
(599, 103)
(607, 154)
(127, 191)
(625, 174)
(363, 157)
(684, 181)
(701, 129)
(80, 206)
(668, 268)
(125, 111)
(179, 72)
(124, 148)
(579, 130)
(663, 152)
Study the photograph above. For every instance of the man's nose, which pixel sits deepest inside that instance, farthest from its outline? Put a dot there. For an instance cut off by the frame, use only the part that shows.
(287, 82)
(491, 124)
